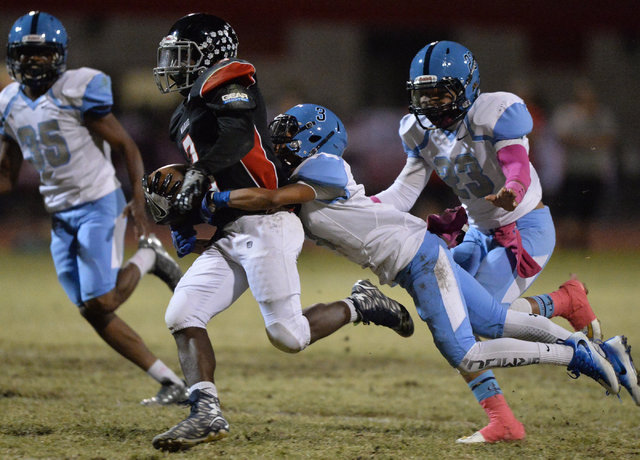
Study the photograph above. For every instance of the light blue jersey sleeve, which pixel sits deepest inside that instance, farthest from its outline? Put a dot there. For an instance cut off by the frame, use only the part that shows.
(515, 122)
(7, 97)
(98, 97)
(326, 174)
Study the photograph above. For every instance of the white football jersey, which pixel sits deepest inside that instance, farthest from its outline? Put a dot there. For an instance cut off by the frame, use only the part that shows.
(74, 166)
(342, 217)
(466, 160)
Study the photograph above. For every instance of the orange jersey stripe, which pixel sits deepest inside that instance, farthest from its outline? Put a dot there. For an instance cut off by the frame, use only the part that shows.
(260, 168)
(228, 72)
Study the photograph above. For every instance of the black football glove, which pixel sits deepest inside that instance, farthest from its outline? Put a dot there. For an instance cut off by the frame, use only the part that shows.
(158, 196)
(192, 190)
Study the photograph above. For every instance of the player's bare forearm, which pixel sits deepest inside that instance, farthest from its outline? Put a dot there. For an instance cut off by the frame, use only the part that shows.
(10, 162)
(201, 245)
(109, 128)
(256, 199)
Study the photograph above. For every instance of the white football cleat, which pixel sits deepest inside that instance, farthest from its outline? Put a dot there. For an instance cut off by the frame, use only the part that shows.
(590, 359)
(473, 439)
(619, 354)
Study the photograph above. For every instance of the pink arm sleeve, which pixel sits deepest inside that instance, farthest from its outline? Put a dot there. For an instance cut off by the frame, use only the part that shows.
(514, 162)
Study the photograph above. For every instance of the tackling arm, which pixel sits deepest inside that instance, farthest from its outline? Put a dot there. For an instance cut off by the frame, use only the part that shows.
(10, 162)
(109, 128)
(257, 199)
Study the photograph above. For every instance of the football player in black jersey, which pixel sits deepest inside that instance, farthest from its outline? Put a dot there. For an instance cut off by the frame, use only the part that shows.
(221, 129)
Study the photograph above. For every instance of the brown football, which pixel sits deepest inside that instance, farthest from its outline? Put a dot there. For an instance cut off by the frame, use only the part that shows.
(160, 188)
(167, 178)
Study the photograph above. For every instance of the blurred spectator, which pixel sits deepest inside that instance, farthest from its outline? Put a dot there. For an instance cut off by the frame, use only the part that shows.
(587, 130)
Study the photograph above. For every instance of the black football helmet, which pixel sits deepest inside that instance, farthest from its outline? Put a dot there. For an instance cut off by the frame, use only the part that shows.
(194, 43)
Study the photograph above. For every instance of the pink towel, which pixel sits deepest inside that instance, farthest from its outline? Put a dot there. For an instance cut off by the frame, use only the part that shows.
(449, 225)
(508, 236)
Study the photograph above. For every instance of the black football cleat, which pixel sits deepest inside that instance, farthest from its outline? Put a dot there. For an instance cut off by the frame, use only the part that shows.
(375, 307)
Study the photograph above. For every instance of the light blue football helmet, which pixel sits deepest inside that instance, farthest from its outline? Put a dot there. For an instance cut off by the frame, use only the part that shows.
(36, 33)
(306, 129)
(447, 66)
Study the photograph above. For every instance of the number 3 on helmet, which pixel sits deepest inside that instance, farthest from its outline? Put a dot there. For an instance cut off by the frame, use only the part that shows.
(305, 130)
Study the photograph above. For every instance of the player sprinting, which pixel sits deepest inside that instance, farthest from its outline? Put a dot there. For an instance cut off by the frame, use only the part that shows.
(221, 129)
(397, 247)
(61, 122)
(477, 144)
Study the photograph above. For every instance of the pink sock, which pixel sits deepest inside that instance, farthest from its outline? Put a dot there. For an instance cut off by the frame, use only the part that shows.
(503, 425)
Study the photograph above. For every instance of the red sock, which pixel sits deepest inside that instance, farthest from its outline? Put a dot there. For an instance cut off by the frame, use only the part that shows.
(561, 302)
(503, 425)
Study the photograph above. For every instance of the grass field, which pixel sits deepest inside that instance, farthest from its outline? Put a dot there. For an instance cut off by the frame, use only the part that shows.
(362, 393)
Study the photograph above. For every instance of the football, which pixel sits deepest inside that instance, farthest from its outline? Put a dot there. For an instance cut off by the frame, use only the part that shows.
(160, 188)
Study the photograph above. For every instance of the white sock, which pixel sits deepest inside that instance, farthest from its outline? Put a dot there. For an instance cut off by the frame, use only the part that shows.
(144, 259)
(161, 373)
(208, 387)
(352, 309)
(556, 354)
(507, 352)
(522, 305)
(534, 328)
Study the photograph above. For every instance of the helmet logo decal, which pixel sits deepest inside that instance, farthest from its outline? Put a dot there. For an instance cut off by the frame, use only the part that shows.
(33, 38)
(468, 59)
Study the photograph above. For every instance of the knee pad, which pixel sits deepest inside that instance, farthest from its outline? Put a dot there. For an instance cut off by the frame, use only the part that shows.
(181, 314)
(286, 339)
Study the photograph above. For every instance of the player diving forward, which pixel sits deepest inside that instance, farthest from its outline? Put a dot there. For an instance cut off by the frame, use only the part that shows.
(397, 247)
(61, 122)
(477, 144)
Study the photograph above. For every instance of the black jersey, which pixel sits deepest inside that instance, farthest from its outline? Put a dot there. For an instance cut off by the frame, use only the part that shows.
(221, 128)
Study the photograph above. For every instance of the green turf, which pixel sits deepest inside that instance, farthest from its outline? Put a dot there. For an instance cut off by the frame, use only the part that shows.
(362, 393)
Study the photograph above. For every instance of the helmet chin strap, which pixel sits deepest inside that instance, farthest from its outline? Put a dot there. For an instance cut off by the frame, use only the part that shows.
(426, 128)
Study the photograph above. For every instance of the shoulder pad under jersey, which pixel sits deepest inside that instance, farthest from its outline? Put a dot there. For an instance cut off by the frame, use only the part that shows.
(413, 136)
(322, 169)
(224, 72)
(85, 89)
(7, 96)
(500, 116)
(230, 96)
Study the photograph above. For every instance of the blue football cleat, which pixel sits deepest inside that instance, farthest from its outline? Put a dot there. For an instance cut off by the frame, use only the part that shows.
(619, 354)
(589, 359)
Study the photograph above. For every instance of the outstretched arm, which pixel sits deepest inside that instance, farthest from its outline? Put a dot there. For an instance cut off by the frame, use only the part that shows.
(408, 186)
(109, 128)
(10, 162)
(257, 199)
